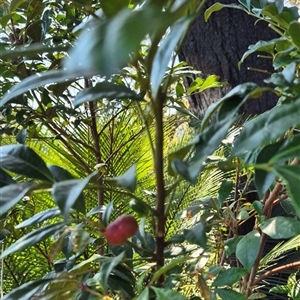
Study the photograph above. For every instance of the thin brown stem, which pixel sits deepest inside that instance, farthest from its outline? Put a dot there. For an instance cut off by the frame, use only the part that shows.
(97, 151)
(293, 265)
(160, 186)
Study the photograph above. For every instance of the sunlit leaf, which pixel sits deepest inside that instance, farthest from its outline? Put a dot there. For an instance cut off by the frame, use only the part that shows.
(280, 227)
(13, 193)
(165, 52)
(167, 294)
(127, 180)
(106, 90)
(23, 160)
(247, 249)
(229, 276)
(68, 194)
(33, 238)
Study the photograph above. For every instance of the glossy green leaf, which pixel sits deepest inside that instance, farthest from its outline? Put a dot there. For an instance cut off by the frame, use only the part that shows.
(127, 180)
(230, 103)
(229, 276)
(35, 81)
(196, 235)
(33, 238)
(35, 9)
(13, 193)
(32, 50)
(230, 294)
(258, 207)
(213, 8)
(107, 213)
(21, 136)
(24, 161)
(167, 294)
(110, 8)
(105, 90)
(5, 178)
(231, 244)
(267, 127)
(280, 227)
(144, 295)
(294, 30)
(59, 173)
(262, 46)
(218, 6)
(165, 52)
(106, 48)
(106, 268)
(247, 249)
(289, 149)
(67, 194)
(263, 180)
(14, 4)
(27, 290)
(225, 190)
(291, 178)
(169, 266)
(40, 217)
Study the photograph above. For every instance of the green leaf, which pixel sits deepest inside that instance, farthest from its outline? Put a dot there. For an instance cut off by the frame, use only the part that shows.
(144, 295)
(21, 136)
(229, 276)
(263, 180)
(289, 149)
(262, 46)
(127, 180)
(105, 90)
(31, 51)
(27, 290)
(196, 235)
(267, 127)
(280, 227)
(33, 238)
(67, 194)
(167, 294)
(165, 52)
(35, 81)
(167, 267)
(294, 29)
(230, 103)
(225, 190)
(110, 8)
(23, 160)
(231, 244)
(40, 217)
(291, 178)
(13, 193)
(35, 9)
(14, 4)
(107, 213)
(34, 31)
(258, 207)
(230, 294)
(215, 7)
(5, 179)
(247, 249)
(106, 268)
(59, 173)
(106, 48)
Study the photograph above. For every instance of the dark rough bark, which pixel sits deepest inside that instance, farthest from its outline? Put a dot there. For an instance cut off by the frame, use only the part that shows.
(216, 46)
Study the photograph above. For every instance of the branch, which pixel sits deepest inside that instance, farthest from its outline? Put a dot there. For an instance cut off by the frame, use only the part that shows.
(160, 186)
(294, 265)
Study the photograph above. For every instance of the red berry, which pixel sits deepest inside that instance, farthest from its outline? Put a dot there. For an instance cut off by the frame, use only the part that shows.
(121, 229)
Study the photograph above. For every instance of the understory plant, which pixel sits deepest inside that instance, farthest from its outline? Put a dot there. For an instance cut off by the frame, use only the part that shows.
(99, 139)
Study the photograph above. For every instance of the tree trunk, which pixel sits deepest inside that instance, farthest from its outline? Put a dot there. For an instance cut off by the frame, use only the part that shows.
(215, 47)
